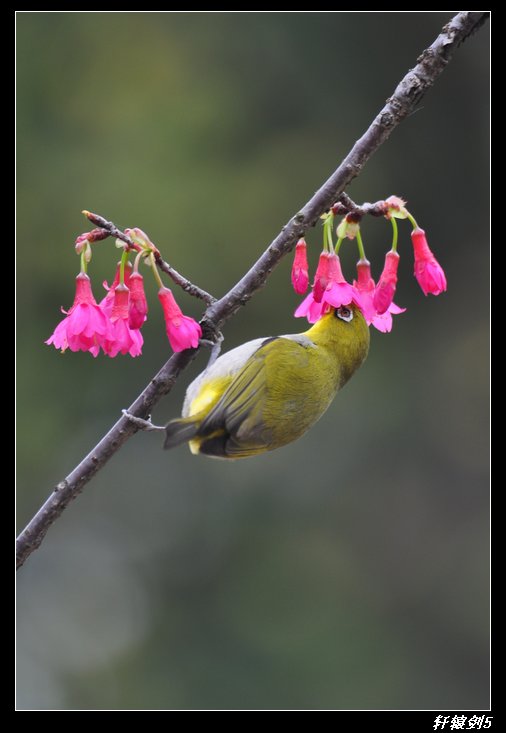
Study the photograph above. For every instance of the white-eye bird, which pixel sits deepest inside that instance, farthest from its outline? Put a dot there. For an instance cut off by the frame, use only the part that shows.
(270, 391)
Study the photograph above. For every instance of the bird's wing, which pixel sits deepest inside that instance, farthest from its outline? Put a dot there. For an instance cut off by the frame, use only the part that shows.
(223, 369)
(240, 409)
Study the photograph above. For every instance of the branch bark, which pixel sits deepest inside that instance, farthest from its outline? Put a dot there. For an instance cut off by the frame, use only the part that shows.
(402, 103)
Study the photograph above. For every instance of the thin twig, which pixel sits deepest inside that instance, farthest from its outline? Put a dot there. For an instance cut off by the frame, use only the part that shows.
(183, 283)
(111, 228)
(402, 103)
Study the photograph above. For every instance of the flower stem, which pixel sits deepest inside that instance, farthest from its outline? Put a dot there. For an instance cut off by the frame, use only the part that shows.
(137, 260)
(396, 234)
(84, 264)
(360, 245)
(412, 220)
(124, 260)
(338, 245)
(328, 244)
(155, 271)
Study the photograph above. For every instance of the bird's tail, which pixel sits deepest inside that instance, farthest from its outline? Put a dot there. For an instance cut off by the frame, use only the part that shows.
(181, 430)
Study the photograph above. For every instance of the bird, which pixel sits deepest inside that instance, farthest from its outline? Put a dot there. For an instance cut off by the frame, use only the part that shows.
(268, 392)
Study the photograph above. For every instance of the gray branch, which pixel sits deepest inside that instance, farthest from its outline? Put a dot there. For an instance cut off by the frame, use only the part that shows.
(402, 103)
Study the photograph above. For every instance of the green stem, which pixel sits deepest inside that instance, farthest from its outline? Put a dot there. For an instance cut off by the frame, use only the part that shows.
(124, 260)
(328, 244)
(338, 245)
(360, 245)
(412, 220)
(155, 271)
(396, 234)
(84, 264)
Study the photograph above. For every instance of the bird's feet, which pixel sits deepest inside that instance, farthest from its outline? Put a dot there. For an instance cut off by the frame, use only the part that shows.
(140, 423)
(215, 347)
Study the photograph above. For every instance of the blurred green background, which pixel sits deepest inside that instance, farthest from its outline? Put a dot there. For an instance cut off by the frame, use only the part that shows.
(347, 570)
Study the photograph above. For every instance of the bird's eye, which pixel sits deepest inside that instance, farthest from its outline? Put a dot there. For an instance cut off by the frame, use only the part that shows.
(344, 313)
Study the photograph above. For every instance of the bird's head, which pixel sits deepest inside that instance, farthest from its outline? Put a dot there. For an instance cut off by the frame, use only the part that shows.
(345, 333)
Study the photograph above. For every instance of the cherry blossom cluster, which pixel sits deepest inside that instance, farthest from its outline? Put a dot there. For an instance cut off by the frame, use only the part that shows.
(114, 324)
(330, 289)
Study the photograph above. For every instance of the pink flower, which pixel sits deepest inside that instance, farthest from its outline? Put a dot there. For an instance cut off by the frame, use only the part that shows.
(123, 339)
(183, 332)
(138, 308)
(384, 321)
(310, 309)
(428, 271)
(366, 287)
(385, 289)
(107, 301)
(321, 278)
(337, 292)
(86, 327)
(300, 274)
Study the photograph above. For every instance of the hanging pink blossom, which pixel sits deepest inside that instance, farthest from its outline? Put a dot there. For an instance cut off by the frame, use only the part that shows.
(86, 327)
(300, 273)
(337, 292)
(183, 332)
(138, 305)
(428, 271)
(321, 278)
(123, 339)
(310, 309)
(107, 301)
(385, 289)
(366, 287)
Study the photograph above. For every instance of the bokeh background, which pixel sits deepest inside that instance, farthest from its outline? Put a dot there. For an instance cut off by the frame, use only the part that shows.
(347, 570)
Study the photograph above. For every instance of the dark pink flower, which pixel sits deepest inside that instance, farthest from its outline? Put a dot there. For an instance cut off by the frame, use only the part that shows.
(86, 327)
(385, 289)
(138, 307)
(183, 332)
(321, 278)
(366, 287)
(330, 284)
(384, 321)
(310, 309)
(336, 293)
(339, 292)
(428, 271)
(123, 339)
(300, 274)
(108, 300)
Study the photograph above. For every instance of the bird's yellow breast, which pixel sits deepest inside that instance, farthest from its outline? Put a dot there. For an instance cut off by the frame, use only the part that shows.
(208, 395)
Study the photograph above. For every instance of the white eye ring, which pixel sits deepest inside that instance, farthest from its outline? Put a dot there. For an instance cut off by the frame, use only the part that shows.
(344, 313)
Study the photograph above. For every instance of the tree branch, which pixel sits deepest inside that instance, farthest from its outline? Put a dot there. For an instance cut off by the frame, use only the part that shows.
(402, 103)
(110, 229)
